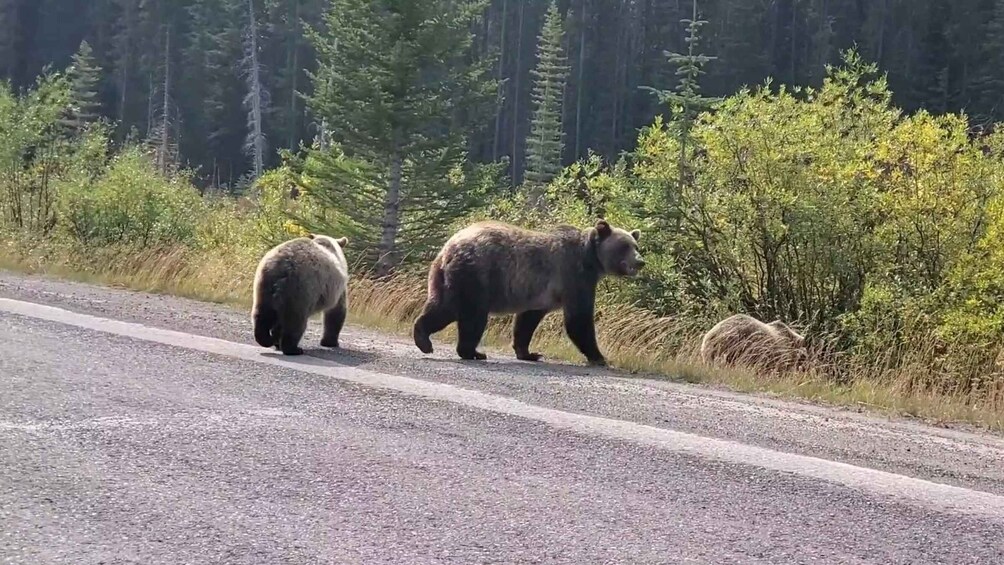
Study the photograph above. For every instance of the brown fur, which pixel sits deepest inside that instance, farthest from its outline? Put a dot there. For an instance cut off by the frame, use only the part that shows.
(496, 268)
(295, 280)
(744, 340)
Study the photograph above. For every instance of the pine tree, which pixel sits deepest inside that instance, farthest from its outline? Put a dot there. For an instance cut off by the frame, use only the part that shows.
(290, 69)
(85, 77)
(209, 53)
(686, 100)
(990, 82)
(397, 91)
(546, 141)
(8, 37)
(933, 88)
(739, 39)
(123, 46)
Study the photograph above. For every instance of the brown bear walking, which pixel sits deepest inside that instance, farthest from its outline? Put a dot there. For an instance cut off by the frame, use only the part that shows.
(295, 280)
(745, 340)
(496, 268)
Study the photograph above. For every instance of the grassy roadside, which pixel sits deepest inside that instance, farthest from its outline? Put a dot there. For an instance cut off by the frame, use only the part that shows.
(633, 339)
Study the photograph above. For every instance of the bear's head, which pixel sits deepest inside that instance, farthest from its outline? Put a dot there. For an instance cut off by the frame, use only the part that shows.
(617, 250)
(796, 339)
(330, 243)
(796, 342)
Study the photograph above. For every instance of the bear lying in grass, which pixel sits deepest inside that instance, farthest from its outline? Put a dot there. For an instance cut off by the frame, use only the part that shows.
(295, 280)
(742, 339)
(496, 268)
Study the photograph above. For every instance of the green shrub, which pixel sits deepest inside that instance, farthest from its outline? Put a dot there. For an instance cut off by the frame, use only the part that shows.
(277, 201)
(131, 203)
(33, 154)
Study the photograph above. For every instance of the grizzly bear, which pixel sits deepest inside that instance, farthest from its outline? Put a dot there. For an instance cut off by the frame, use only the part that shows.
(295, 280)
(742, 339)
(495, 268)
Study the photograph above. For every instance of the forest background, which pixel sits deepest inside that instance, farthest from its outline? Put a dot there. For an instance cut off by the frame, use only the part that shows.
(833, 163)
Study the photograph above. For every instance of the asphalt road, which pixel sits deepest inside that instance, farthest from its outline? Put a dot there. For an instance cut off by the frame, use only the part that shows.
(146, 429)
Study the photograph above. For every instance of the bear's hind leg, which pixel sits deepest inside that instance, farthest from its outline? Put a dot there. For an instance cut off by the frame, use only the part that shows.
(294, 325)
(264, 319)
(334, 319)
(277, 336)
(471, 324)
(524, 324)
(434, 318)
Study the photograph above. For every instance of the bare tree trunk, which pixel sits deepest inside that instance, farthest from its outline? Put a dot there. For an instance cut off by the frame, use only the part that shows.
(793, 41)
(500, 99)
(515, 101)
(125, 61)
(391, 214)
(151, 95)
(578, 83)
(123, 90)
(618, 82)
(294, 72)
(881, 42)
(165, 118)
(8, 26)
(256, 138)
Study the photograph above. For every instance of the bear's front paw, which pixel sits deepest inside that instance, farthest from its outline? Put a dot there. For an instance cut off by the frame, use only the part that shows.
(293, 351)
(422, 341)
(598, 362)
(329, 342)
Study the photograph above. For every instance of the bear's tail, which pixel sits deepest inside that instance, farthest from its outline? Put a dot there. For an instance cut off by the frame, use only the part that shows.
(264, 319)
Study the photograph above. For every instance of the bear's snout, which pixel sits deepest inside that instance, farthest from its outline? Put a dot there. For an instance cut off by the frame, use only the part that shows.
(632, 266)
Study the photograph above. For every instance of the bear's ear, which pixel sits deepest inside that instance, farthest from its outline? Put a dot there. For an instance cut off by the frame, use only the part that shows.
(342, 242)
(310, 236)
(636, 235)
(603, 228)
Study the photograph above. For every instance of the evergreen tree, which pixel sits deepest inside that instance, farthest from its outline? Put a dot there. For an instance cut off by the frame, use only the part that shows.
(939, 55)
(85, 77)
(289, 63)
(686, 100)
(933, 87)
(546, 141)
(397, 91)
(8, 37)
(209, 54)
(990, 82)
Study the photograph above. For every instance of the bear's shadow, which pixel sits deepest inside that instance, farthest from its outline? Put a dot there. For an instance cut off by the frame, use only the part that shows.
(542, 368)
(326, 356)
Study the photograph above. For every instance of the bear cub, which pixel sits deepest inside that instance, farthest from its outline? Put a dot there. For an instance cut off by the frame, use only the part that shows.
(496, 268)
(295, 280)
(742, 339)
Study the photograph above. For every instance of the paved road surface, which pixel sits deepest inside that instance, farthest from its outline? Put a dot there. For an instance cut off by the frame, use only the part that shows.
(147, 429)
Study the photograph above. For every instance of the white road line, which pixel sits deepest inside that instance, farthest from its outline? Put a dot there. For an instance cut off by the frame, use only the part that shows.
(896, 488)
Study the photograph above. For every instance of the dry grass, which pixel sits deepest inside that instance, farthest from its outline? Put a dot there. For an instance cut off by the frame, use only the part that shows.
(633, 339)
(217, 277)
